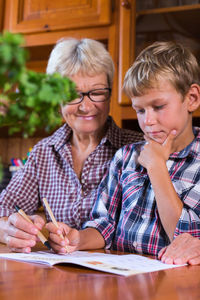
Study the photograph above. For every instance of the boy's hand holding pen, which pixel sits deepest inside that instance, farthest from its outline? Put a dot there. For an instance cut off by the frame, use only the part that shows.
(56, 224)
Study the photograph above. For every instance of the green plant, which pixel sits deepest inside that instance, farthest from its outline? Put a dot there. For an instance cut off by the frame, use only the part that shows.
(32, 99)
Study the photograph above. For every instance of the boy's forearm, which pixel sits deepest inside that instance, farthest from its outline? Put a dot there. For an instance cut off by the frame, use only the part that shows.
(168, 203)
(90, 238)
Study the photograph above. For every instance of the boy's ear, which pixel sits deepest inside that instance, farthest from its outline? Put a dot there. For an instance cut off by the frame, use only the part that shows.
(193, 96)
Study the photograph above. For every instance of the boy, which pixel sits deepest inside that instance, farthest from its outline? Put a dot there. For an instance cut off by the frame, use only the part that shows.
(151, 192)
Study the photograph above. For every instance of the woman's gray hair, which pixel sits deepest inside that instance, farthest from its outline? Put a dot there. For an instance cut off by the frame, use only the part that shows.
(71, 56)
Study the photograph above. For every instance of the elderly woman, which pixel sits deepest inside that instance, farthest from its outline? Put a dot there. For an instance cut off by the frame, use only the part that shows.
(67, 167)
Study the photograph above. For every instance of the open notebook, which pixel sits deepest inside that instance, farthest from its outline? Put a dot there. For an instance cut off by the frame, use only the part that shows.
(126, 265)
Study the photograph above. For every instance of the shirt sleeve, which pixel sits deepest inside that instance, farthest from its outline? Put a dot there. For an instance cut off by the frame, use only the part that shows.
(105, 213)
(22, 190)
(189, 220)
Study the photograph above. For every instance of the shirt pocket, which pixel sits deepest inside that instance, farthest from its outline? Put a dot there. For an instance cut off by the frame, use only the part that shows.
(134, 189)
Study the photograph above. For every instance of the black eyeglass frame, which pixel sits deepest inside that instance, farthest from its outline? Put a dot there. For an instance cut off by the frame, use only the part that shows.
(88, 95)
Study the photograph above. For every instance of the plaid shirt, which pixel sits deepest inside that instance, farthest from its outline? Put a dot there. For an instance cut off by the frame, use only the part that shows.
(126, 213)
(49, 173)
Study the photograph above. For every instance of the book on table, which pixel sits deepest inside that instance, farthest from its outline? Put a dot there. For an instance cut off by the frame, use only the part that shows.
(126, 264)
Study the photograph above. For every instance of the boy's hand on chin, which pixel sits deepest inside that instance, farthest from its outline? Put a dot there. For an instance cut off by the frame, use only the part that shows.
(154, 153)
(167, 146)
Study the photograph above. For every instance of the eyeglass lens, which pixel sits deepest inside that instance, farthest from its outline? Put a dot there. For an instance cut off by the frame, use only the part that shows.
(97, 95)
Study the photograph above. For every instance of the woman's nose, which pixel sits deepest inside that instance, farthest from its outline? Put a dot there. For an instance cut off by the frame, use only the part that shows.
(86, 104)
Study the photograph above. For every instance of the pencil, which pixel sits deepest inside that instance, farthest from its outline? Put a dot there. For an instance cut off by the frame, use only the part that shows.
(40, 235)
(53, 219)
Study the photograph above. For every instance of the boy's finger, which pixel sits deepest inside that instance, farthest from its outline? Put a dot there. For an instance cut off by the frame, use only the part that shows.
(148, 139)
(194, 261)
(170, 138)
(51, 227)
(161, 252)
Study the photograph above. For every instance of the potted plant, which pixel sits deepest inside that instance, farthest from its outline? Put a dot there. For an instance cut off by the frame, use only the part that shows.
(28, 100)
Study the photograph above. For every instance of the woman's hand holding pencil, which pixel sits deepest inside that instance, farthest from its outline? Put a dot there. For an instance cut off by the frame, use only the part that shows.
(21, 232)
(40, 235)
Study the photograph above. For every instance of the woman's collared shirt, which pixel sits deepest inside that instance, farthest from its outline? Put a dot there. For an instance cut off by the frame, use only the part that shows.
(49, 174)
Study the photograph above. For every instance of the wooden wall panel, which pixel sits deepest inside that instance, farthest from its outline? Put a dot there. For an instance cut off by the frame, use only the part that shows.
(15, 147)
(3, 149)
(26, 144)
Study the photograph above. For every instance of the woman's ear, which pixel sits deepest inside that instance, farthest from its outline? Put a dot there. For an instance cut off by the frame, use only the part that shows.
(193, 96)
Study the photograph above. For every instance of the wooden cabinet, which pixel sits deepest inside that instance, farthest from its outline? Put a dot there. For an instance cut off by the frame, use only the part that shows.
(43, 15)
(1, 14)
(122, 25)
(180, 23)
(43, 22)
(159, 22)
(126, 43)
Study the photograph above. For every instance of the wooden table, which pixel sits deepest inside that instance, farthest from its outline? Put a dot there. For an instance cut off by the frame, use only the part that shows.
(19, 281)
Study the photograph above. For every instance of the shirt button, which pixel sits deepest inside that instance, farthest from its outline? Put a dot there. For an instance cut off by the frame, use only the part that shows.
(134, 244)
(144, 216)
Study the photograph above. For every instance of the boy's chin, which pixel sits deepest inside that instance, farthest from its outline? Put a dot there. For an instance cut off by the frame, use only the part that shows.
(159, 140)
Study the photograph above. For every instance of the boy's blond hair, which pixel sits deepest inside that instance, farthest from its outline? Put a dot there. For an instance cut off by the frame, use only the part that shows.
(89, 57)
(166, 60)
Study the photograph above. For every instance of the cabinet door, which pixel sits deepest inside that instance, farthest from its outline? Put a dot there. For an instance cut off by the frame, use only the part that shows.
(27, 16)
(126, 43)
(1, 14)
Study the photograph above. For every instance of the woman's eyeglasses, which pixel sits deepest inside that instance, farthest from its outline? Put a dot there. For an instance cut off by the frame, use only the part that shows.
(97, 95)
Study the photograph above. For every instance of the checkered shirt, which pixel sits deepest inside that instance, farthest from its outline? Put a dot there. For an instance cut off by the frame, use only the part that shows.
(49, 173)
(126, 213)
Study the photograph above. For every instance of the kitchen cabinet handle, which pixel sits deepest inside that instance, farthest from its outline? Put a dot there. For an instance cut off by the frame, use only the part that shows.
(126, 4)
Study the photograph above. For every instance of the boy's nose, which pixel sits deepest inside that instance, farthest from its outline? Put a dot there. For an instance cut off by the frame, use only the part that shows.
(149, 118)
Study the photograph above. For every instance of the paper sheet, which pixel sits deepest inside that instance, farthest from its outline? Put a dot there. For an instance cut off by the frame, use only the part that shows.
(126, 265)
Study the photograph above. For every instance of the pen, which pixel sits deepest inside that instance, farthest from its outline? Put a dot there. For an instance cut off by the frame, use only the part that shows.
(40, 235)
(53, 219)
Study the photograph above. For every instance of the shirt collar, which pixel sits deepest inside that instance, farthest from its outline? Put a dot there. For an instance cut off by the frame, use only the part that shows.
(61, 136)
(192, 149)
(113, 134)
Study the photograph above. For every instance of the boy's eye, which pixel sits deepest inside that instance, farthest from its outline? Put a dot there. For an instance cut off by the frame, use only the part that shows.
(140, 111)
(158, 107)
